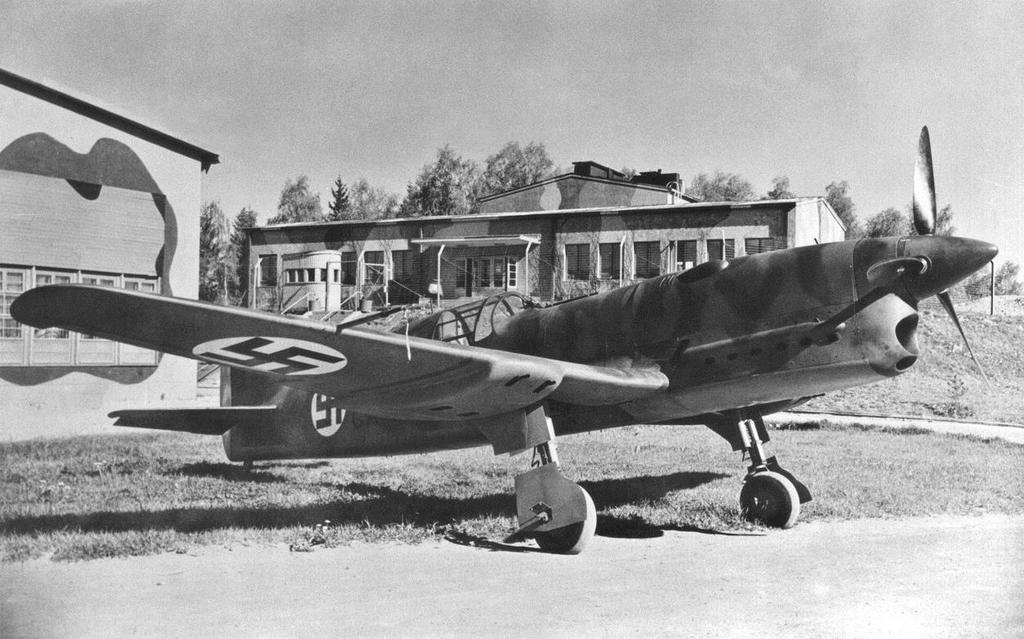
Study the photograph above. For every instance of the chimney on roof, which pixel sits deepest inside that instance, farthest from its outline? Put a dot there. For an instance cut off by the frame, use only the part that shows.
(589, 168)
(656, 178)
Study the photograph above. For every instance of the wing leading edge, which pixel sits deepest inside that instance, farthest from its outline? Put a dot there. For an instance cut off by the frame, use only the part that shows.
(376, 373)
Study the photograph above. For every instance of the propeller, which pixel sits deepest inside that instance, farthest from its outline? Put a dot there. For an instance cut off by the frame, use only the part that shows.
(924, 187)
(947, 304)
(924, 223)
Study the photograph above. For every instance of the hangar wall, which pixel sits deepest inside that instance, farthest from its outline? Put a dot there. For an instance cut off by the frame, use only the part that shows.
(84, 202)
(551, 255)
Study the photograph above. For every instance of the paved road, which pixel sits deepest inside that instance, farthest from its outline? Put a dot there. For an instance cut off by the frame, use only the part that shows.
(934, 577)
(1013, 433)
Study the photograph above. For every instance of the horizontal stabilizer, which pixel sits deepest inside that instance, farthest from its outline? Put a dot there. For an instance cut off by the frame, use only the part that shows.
(202, 421)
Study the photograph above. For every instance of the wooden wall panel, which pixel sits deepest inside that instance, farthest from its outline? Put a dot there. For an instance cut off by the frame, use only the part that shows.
(48, 223)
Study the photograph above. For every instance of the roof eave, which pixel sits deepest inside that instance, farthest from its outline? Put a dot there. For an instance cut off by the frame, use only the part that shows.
(120, 122)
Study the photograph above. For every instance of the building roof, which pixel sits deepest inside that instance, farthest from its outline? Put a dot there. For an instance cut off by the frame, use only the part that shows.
(478, 240)
(603, 210)
(120, 122)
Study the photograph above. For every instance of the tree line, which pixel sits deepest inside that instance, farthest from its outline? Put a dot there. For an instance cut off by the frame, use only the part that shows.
(453, 185)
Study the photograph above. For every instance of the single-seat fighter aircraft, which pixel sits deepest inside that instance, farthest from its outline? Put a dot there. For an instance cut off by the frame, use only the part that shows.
(720, 344)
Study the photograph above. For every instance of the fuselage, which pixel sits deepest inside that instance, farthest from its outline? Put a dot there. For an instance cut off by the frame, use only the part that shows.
(762, 330)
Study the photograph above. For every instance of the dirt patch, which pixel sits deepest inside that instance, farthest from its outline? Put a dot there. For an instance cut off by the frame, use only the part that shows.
(933, 577)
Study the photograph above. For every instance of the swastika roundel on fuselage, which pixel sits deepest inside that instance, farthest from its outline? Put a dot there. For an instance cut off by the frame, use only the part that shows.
(327, 414)
(279, 355)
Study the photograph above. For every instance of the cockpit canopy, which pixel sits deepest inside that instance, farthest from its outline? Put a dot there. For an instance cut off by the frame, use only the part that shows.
(471, 322)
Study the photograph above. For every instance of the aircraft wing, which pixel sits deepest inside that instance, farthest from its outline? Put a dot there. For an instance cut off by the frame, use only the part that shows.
(383, 374)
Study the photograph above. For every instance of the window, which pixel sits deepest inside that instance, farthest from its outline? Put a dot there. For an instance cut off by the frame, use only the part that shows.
(146, 286)
(753, 245)
(511, 271)
(488, 272)
(45, 279)
(404, 268)
(57, 346)
(647, 259)
(97, 280)
(577, 261)
(715, 249)
(611, 262)
(12, 284)
(268, 270)
(686, 254)
(483, 272)
(498, 265)
(373, 268)
(348, 268)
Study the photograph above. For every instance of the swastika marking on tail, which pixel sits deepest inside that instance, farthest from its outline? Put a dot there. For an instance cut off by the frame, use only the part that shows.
(279, 355)
(327, 414)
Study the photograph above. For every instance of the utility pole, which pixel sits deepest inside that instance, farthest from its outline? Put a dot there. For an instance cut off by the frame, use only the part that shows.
(992, 289)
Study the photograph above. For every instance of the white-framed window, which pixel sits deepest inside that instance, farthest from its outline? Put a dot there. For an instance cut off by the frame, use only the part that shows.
(57, 346)
(145, 285)
(475, 273)
(44, 278)
(12, 284)
(97, 280)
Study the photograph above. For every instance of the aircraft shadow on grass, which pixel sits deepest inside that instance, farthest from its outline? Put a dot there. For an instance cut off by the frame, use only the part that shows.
(365, 504)
(234, 472)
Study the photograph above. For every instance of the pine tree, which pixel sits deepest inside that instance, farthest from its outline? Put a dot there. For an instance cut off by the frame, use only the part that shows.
(339, 206)
(245, 219)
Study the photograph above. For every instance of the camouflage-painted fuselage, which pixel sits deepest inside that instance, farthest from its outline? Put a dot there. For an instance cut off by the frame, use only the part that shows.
(757, 333)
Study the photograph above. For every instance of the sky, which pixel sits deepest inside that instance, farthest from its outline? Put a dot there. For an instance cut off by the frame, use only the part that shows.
(818, 92)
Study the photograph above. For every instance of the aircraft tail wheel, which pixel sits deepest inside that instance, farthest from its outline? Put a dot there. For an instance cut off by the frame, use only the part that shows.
(571, 539)
(771, 499)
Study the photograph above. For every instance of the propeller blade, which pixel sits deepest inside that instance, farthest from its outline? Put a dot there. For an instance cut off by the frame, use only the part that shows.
(947, 304)
(924, 187)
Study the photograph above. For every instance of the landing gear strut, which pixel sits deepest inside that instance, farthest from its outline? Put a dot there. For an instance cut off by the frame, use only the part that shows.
(771, 494)
(558, 513)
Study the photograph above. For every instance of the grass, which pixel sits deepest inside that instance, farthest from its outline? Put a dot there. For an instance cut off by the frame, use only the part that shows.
(944, 381)
(126, 495)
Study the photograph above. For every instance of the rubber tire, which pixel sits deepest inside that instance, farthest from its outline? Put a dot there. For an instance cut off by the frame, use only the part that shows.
(571, 539)
(771, 499)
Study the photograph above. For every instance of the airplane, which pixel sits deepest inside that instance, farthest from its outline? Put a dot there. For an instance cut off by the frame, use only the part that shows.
(721, 344)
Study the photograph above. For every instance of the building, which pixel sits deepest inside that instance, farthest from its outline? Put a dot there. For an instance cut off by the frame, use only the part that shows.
(547, 254)
(589, 185)
(89, 196)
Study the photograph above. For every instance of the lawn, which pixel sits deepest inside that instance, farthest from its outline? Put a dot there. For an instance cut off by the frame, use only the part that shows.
(131, 494)
(945, 381)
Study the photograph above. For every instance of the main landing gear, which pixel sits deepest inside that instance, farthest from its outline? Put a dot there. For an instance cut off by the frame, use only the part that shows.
(558, 513)
(771, 495)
